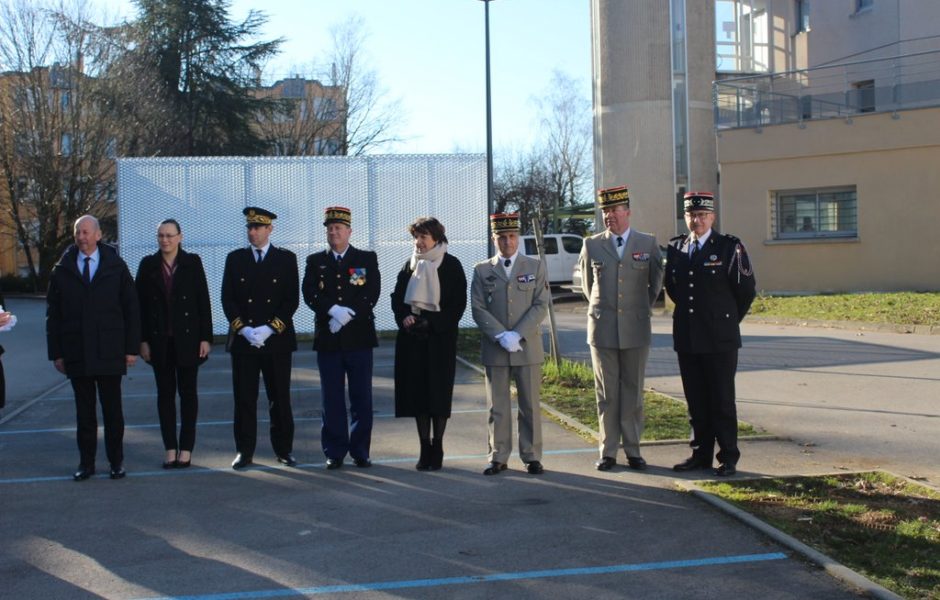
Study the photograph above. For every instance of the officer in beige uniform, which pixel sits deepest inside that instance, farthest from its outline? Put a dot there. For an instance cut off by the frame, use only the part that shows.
(621, 275)
(508, 298)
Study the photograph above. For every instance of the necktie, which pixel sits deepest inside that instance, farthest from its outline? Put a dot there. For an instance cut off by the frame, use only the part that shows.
(86, 270)
(619, 241)
(338, 257)
(695, 248)
(507, 263)
(259, 255)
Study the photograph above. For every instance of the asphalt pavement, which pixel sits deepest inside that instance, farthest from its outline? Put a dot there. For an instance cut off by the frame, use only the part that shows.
(385, 532)
(850, 399)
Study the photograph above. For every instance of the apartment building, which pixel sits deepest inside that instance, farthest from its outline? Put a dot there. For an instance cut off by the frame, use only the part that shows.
(310, 120)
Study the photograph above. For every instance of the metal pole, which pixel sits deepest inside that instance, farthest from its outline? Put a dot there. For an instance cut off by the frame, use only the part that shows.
(490, 203)
(552, 329)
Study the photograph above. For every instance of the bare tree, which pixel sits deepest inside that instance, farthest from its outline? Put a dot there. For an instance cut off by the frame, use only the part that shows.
(550, 179)
(370, 116)
(523, 184)
(59, 131)
(566, 127)
(306, 120)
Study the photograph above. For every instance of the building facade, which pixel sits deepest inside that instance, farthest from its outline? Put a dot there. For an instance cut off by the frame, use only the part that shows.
(822, 129)
(310, 119)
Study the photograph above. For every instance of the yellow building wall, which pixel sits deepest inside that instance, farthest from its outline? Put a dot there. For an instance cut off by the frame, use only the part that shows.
(894, 163)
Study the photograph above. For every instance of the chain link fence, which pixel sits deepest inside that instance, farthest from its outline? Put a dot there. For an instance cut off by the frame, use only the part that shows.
(385, 194)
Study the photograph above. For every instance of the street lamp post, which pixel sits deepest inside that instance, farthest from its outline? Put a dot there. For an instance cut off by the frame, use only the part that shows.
(490, 204)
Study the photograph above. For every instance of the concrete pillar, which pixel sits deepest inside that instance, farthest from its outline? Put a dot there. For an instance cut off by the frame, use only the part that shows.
(634, 142)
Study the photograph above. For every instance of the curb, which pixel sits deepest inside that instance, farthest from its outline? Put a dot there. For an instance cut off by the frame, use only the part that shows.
(580, 427)
(848, 325)
(833, 568)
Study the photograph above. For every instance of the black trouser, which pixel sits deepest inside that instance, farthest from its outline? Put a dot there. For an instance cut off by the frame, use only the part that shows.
(108, 389)
(275, 368)
(3, 387)
(708, 383)
(170, 378)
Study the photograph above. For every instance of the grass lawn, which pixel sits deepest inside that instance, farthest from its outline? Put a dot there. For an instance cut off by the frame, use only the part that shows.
(902, 308)
(881, 526)
(569, 388)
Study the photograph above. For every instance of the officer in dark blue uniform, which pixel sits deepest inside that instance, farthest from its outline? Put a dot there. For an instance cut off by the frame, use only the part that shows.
(709, 277)
(260, 294)
(341, 285)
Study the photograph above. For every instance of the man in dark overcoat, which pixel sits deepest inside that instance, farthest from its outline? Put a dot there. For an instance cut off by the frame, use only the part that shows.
(92, 336)
(709, 277)
(341, 285)
(260, 294)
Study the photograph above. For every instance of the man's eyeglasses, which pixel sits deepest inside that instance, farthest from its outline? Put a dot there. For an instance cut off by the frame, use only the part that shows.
(166, 236)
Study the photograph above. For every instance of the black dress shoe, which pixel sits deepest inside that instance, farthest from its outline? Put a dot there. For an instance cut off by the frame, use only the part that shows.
(170, 464)
(494, 468)
(287, 459)
(692, 463)
(534, 467)
(636, 462)
(182, 464)
(605, 464)
(83, 473)
(117, 472)
(362, 463)
(334, 463)
(725, 469)
(241, 461)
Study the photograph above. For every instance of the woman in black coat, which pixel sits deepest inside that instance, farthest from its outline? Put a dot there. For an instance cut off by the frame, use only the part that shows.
(429, 298)
(176, 323)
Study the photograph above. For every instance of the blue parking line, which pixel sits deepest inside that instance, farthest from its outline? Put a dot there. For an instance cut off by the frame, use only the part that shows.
(260, 467)
(494, 577)
(203, 423)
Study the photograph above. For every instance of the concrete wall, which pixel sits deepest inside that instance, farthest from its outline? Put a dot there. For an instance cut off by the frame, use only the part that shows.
(894, 165)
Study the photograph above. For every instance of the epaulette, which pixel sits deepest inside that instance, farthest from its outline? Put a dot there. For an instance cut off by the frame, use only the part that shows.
(679, 237)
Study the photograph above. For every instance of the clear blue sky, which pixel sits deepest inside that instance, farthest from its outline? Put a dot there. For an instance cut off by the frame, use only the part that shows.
(430, 54)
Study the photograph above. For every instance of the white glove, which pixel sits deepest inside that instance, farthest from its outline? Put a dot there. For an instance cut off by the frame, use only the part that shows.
(250, 334)
(261, 334)
(342, 314)
(509, 340)
(10, 323)
(335, 325)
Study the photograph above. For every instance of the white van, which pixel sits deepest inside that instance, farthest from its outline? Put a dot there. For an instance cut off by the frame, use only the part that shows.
(561, 253)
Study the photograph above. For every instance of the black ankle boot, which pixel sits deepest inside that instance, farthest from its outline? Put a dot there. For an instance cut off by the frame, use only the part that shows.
(424, 460)
(437, 454)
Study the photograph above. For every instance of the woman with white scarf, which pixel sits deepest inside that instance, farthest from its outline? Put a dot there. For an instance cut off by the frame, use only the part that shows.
(429, 299)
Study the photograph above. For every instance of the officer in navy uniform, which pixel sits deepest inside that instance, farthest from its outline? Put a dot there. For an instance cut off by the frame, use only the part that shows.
(341, 285)
(260, 294)
(709, 277)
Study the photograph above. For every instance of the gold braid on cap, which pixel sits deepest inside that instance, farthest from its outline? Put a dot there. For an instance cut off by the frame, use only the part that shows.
(254, 218)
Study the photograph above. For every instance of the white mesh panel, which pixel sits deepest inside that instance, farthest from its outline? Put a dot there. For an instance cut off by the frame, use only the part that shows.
(385, 194)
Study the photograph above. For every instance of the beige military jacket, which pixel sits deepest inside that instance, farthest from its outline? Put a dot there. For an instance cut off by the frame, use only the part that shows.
(620, 292)
(518, 303)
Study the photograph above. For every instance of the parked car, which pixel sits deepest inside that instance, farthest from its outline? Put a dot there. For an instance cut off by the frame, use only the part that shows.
(561, 254)
(576, 280)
